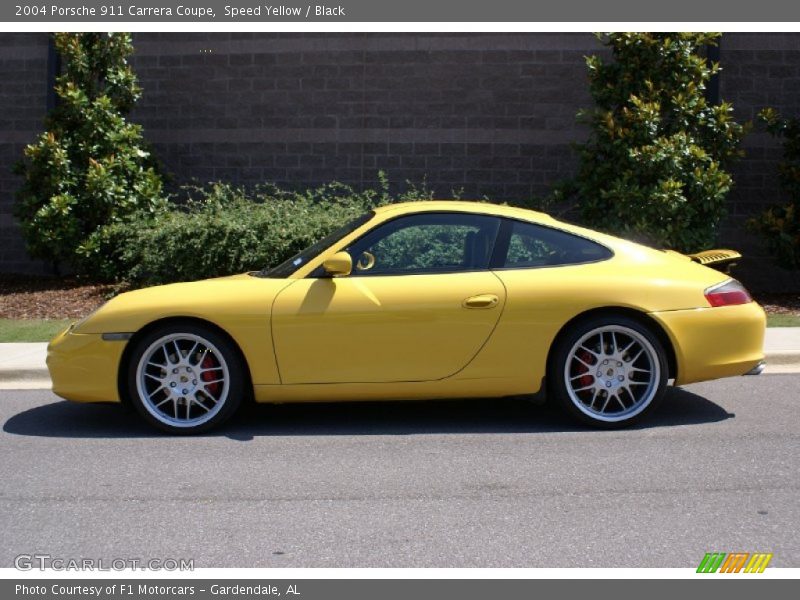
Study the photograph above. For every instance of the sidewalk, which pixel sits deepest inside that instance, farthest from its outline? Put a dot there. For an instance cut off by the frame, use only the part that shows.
(782, 348)
(22, 366)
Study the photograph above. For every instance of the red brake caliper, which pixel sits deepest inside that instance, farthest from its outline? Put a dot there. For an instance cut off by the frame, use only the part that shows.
(208, 363)
(587, 379)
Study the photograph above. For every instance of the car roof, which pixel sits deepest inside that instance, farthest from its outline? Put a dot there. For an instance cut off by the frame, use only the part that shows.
(500, 210)
(465, 206)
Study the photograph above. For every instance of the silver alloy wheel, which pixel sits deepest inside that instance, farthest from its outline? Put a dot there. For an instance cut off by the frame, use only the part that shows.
(612, 373)
(182, 380)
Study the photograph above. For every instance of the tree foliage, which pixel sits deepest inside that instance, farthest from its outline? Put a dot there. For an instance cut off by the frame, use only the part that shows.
(654, 166)
(90, 167)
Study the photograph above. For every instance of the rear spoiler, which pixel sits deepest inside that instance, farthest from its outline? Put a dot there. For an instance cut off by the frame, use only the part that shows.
(716, 259)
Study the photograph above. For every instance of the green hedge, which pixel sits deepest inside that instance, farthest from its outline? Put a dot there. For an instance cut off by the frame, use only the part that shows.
(222, 229)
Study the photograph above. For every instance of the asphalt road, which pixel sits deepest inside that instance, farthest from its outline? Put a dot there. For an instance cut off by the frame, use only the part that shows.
(439, 484)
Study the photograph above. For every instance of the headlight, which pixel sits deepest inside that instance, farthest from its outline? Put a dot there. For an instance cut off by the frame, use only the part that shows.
(78, 324)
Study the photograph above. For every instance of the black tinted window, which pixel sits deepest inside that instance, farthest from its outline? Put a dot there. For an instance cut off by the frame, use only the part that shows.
(532, 245)
(426, 243)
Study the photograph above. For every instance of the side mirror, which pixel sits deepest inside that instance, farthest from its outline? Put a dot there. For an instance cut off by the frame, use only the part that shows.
(338, 265)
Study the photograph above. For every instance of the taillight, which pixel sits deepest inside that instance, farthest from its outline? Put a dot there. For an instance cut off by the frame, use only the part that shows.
(727, 293)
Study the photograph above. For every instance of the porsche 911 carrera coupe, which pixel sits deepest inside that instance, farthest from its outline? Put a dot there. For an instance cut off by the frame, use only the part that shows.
(423, 300)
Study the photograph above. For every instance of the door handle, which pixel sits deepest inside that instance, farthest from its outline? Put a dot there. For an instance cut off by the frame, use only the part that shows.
(480, 301)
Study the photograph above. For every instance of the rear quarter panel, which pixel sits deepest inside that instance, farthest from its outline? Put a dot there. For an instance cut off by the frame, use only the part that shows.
(711, 343)
(540, 301)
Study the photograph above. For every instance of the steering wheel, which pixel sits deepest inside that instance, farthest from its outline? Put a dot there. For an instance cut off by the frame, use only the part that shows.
(365, 261)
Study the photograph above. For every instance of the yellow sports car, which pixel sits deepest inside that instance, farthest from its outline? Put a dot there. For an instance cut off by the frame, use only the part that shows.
(422, 300)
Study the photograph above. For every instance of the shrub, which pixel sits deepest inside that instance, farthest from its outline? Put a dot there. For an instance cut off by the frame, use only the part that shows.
(90, 167)
(222, 229)
(779, 225)
(654, 166)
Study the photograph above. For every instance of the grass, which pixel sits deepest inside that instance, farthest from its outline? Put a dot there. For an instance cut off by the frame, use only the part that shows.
(783, 320)
(31, 330)
(43, 330)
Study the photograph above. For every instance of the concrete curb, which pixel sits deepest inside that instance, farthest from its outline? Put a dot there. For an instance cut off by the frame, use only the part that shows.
(26, 384)
(23, 374)
(22, 365)
(783, 359)
(25, 379)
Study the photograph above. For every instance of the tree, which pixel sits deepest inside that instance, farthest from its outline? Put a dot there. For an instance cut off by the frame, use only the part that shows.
(90, 167)
(654, 165)
(779, 225)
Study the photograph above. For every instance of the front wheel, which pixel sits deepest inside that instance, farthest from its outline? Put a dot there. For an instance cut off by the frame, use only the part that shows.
(608, 371)
(185, 378)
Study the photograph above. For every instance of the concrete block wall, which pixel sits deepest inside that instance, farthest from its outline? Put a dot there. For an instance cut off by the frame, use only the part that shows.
(490, 114)
(23, 98)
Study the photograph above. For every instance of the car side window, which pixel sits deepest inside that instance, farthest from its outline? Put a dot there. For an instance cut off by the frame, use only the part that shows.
(426, 243)
(532, 246)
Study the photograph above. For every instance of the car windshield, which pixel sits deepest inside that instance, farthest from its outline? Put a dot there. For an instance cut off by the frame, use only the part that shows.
(291, 265)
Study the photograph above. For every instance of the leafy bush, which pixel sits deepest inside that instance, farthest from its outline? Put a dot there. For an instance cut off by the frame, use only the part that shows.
(421, 247)
(780, 225)
(90, 167)
(654, 165)
(222, 229)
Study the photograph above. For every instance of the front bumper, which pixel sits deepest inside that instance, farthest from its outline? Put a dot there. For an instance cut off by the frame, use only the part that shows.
(711, 343)
(84, 367)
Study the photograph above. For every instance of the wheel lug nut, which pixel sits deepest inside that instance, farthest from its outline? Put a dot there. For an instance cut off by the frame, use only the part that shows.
(185, 391)
(605, 362)
(619, 364)
(608, 384)
(174, 370)
(194, 381)
(621, 378)
(172, 384)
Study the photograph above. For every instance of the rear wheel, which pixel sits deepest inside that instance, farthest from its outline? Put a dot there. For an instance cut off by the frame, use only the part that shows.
(608, 371)
(185, 378)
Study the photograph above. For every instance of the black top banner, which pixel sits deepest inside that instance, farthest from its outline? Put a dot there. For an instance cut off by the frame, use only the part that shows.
(262, 11)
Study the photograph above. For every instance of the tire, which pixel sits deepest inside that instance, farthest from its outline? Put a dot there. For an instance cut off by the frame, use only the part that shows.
(608, 372)
(184, 378)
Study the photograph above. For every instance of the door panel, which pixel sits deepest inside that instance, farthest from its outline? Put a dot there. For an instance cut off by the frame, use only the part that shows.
(380, 329)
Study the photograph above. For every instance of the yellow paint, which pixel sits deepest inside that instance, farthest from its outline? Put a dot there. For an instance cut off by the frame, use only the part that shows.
(421, 336)
(339, 265)
(381, 329)
(84, 367)
(711, 343)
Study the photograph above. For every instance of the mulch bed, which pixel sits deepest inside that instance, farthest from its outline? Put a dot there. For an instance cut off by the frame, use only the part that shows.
(780, 304)
(25, 297)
